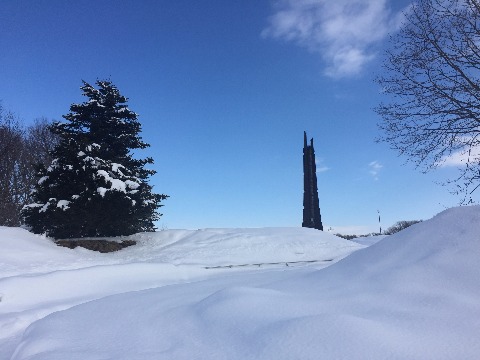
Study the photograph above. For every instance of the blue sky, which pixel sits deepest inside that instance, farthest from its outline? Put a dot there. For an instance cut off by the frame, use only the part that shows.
(224, 90)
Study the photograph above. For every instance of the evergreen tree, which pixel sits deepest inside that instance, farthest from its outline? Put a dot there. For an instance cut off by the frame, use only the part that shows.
(94, 186)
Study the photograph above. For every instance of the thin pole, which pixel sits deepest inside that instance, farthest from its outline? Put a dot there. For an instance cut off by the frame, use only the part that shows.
(379, 223)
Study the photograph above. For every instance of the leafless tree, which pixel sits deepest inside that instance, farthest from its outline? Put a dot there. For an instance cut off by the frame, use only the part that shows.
(11, 148)
(399, 226)
(22, 149)
(432, 77)
(40, 141)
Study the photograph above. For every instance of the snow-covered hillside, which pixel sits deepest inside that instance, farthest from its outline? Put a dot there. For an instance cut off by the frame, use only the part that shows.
(413, 295)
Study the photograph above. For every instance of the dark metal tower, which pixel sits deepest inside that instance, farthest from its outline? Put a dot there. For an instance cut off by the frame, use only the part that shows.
(311, 208)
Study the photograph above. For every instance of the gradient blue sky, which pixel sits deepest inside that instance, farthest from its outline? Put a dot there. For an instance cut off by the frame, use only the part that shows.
(224, 90)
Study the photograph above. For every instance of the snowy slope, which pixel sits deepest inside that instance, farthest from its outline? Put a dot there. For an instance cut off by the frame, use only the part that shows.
(25, 253)
(412, 295)
(210, 247)
(38, 278)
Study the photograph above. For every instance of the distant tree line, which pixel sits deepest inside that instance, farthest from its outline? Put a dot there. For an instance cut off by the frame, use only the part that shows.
(22, 149)
(398, 226)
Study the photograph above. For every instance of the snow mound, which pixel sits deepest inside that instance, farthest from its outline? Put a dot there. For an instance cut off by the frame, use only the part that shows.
(38, 278)
(217, 247)
(24, 253)
(445, 248)
(413, 295)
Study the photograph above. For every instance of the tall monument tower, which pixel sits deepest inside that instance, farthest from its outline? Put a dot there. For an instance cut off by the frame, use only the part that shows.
(311, 208)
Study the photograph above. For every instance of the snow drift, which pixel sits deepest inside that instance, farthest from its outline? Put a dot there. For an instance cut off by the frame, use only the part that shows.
(413, 295)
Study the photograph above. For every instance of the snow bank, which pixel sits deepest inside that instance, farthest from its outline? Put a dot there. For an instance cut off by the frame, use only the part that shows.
(412, 295)
(26, 253)
(23, 253)
(214, 247)
(38, 278)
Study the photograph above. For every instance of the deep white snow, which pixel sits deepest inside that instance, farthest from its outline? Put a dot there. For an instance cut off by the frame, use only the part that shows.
(412, 295)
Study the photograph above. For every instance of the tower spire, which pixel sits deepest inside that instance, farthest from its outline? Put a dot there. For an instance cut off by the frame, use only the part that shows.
(311, 208)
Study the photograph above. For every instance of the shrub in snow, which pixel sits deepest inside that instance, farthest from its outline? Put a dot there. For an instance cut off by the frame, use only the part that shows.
(94, 186)
(346, 237)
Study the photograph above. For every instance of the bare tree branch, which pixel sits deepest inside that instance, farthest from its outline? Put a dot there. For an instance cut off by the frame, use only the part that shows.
(432, 78)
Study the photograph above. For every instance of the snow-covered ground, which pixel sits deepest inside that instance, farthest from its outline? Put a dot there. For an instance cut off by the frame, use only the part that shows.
(412, 295)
